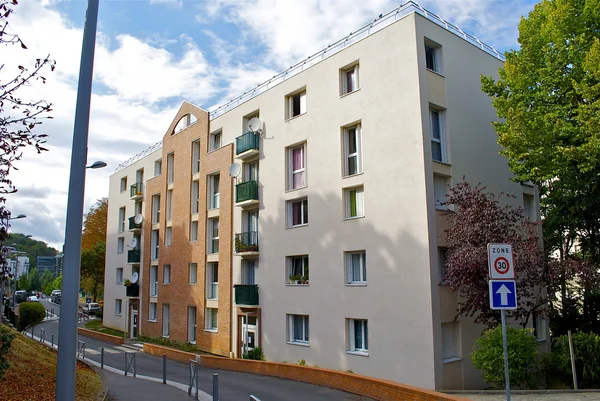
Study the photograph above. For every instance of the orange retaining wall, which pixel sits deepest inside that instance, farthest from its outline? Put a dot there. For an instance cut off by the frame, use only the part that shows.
(376, 389)
(100, 336)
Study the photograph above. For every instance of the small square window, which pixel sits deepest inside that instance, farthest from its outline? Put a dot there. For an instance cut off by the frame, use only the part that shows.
(356, 267)
(297, 212)
(358, 335)
(354, 202)
(167, 274)
(157, 167)
(433, 57)
(297, 269)
(152, 311)
(119, 275)
(193, 273)
(298, 329)
(214, 140)
(120, 244)
(296, 104)
(349, 79)
(123, 186)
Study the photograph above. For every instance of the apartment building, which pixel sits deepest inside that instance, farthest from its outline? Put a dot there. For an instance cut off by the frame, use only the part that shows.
(304, 216)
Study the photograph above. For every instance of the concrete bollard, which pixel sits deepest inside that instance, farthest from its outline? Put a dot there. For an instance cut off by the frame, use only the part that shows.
(215, 387)
(102, 358)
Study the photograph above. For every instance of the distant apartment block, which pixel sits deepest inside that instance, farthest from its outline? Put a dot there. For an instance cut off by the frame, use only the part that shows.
(50, 263)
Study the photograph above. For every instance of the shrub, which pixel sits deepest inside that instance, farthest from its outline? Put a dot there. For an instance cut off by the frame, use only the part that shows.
(30, 314)
(301, 362)
(6, 338)
(586, 347)
(256, 354)
(488, 356)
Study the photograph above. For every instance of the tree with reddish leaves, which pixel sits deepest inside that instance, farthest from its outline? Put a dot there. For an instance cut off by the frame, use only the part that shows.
(479, 218)
(19, 118)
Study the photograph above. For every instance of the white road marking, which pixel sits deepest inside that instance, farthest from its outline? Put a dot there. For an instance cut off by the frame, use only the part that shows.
(125, 349)
(111, 351)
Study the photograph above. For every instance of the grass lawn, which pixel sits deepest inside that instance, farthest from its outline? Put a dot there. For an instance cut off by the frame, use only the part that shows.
(32, 374)
(96, 325)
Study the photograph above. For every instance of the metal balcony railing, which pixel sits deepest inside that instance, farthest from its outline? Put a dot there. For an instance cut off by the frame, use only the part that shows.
(246, 294)
(133, 256)
(245, 142)
(132, 225)
(136, 189)
(132, 290)
(246, 191)
(246, 242)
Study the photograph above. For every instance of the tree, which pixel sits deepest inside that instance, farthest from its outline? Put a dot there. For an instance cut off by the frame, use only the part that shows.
(19, 118)
(46, 279)
(92, 268)
(34, 278)
(94, 226)
(479, 219)
(24, 283)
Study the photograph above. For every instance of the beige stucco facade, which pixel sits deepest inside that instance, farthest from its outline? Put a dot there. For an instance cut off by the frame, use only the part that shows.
(394, 225)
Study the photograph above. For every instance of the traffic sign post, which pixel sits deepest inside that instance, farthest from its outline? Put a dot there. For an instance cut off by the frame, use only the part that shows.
(503, 295)
(500, 262)
(88, 300)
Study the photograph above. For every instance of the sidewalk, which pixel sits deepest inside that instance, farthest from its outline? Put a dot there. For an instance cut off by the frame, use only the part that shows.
(121, 388)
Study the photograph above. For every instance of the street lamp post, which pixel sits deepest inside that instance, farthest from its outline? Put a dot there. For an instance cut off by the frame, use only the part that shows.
(67, 334)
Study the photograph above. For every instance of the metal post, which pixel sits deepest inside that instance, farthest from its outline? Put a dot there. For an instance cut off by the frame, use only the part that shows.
(505, 345)
(67, 335)
(31, 331)
(215, 387)
(102, 358)
(246, 336)
(134, 368)
(125, 365)
(52, 342)
(164, 368)
(572, 352)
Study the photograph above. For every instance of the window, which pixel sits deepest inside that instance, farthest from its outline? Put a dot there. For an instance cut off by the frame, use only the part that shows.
(167, 274)
(123, 186)
(248, 271)
(297, 167)
(355, 203)
(195, 196)
(170, 205)
(451, 341)
(192, 324)
(154, 250)
(298, 269)
(296, 104)
(213, 240)
(212, 281)
(137, 208)
(192, 273)
(356, 267)
(193, 231)
(442, 258)
(155, 209)
(184, 122)
(214, 195)
(250, 171)
(349, 79)
(432, 58)
(539, 328)
(298, 329)
(214, 141)
(153, 281)
(196, 156)
(352, 150)
(247, 119)
(120, 244)
(139, 177)
(170, 168)
(157, 167)
(297, 211)
(118, 307)
(165, 319)
(358, 334)
(437, 135)
(212, 319)
(152, 311)
(529, 207)
(119, 275)
(168, 236)
(122, 219)
(440, 191)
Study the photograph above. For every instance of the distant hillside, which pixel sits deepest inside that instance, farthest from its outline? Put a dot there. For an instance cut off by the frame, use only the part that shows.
(33, 248)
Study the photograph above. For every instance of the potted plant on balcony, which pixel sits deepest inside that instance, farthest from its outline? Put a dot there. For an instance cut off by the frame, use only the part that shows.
(304, 279)
(240, 246)
(127, 282)
(294, 279)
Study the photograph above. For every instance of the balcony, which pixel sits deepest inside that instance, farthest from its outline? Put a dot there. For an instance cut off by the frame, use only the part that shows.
(246, 294)
(136, 191)
(247, 145)
(246, 244)
(246, 194)
(132, 290)
(133, 226)
(133, 256)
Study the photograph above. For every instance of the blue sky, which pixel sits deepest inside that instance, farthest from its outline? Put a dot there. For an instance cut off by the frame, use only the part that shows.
(152, 55)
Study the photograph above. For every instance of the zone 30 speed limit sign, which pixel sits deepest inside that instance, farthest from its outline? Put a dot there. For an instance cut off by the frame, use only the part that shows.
(500, 262)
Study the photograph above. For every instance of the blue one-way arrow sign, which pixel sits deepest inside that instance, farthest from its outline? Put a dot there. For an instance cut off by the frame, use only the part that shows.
(503, 294)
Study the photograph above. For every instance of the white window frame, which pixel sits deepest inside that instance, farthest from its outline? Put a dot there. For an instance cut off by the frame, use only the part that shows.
(303, 212)
(305, 336)
(344, 79)
(247, 266)
(118, 307)
(302, 170)
(214, 194)
(166, 317)
(355, 130)
(211, 314)
(196, 156)
(362, 272)
(155, 209)
(211, 237)
(301, 95)
(194, 231)
(120, 244)
(119, 275)
(154, 281)
(215, 140)
(122, 213)
(154, 244)
(353, 346)
(193, 273)
(451, 347)
(360, 202)
(440, 189)
(192, 312)
(123, 184)
(212, 285)
(304, 265)
(195, 206)
(169, 205)
(166, 274)
(170, 168)
(152, 310)
(157, 167)
(436, 54)
(442, 133)
(168, 236)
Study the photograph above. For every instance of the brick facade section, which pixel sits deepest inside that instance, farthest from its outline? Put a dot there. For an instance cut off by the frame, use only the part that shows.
(376, 389)
(179, 294)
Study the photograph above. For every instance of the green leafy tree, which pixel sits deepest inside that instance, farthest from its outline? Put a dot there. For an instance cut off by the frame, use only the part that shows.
(46, 279)
(24, 283)
(586, 348)
(488, 356)
(92, 269)
(35, 280)
(30, 314)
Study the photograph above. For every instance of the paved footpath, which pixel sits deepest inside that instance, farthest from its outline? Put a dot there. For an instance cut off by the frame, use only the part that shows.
(537, 397)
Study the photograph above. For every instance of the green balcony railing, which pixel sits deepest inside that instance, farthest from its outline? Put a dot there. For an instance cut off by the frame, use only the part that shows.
(246, 191)
(246, 294)
(246, 242)
(136, 189)
(133, 256)
(245, 142)
(132, 225)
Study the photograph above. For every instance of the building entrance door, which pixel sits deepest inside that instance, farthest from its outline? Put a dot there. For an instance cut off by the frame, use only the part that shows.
(134, 323)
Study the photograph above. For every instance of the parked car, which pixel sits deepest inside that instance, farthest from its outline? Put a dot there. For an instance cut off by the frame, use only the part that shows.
(54, 295)
(20, 296)
(33, 298)
(92, 308)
